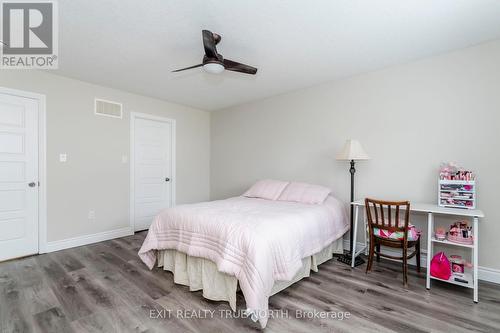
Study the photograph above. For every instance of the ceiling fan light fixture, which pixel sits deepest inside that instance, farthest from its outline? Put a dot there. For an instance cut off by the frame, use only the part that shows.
(213, 62)
(213, 68)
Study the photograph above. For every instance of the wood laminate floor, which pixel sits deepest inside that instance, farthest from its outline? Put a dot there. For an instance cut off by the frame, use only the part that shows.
(105, 288)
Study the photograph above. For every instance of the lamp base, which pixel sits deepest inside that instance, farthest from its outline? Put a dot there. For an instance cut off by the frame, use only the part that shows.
(346, 258)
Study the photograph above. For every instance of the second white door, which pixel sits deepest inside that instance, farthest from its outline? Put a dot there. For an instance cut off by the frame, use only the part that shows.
(152, 168)
(18, 176)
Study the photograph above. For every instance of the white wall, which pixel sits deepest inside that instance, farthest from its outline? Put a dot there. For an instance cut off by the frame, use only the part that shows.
(94, 176)
(409, 118)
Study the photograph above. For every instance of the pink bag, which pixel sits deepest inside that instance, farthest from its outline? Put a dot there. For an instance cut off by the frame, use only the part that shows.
(440, 266)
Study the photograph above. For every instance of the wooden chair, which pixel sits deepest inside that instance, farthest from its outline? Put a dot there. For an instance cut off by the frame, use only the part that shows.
(385, 215)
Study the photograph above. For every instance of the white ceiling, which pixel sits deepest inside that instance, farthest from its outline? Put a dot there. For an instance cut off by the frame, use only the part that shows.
(133, 45)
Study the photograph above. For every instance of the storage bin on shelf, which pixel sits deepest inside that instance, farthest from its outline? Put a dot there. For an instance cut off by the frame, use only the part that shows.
(457, 193)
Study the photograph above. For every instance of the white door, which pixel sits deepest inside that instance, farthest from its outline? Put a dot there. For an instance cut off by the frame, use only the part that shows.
(152, 169)
(18, 176)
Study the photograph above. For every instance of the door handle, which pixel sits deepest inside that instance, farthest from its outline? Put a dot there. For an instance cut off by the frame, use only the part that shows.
(167, 179)
(32, 184)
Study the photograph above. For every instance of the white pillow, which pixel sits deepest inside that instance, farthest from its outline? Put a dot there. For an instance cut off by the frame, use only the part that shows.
(305, 193)
(266, 189)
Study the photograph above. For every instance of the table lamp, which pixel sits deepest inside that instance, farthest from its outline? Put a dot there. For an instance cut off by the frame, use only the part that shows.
(353, 151)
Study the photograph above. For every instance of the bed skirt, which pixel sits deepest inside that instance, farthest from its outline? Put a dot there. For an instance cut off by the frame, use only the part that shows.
(202, 274)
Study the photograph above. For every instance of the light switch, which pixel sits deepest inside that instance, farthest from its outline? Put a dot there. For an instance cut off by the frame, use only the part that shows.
(124, 159)
(63, 158)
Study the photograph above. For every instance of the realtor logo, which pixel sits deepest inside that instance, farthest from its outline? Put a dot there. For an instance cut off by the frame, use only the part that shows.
(29, 37)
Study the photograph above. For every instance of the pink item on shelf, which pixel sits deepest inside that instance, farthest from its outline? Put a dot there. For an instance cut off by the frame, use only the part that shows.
(461, 233)
(440, 266)
(461, 240)
(451, 171)
(457, 264)
(440, 234)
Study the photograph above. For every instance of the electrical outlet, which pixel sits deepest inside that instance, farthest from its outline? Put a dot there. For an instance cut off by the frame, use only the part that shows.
(91, 215)
(124, 159)
(63, 158)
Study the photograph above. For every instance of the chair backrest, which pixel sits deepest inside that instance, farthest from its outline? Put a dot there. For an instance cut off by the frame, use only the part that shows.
(386, 215)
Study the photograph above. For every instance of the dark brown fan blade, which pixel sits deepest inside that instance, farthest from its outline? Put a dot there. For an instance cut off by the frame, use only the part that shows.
(209, 44)
(183, 69)
(237, 67)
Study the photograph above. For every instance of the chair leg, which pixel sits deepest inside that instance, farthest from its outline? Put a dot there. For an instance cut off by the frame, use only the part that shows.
(418, 255)
(370, 255)
(405, 266)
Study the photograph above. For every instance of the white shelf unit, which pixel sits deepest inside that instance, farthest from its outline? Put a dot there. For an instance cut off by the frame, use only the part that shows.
(459, 193)
(433, 210)
(471, 276)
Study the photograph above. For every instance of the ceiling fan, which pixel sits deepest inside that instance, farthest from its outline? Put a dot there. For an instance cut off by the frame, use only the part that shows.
(213, 62)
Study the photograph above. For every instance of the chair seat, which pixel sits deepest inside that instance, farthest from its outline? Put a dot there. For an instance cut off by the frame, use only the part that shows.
(413, 234)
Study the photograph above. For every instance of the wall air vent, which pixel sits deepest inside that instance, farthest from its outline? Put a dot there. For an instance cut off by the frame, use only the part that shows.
(108, 108)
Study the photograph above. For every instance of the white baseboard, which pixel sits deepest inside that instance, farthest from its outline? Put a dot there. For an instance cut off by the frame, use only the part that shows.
(87, 239)
(489, 274)
(485, 273)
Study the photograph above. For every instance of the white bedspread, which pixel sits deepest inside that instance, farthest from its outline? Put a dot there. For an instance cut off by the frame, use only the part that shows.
(258, 241)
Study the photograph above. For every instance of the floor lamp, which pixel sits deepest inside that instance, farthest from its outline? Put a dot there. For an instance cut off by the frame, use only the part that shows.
(353, 151)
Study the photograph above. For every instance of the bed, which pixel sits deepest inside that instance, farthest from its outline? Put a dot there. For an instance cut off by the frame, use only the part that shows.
(260, 245)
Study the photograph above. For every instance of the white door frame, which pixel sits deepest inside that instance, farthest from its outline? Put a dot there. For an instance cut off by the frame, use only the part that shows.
(42, 161)
(133, 117)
